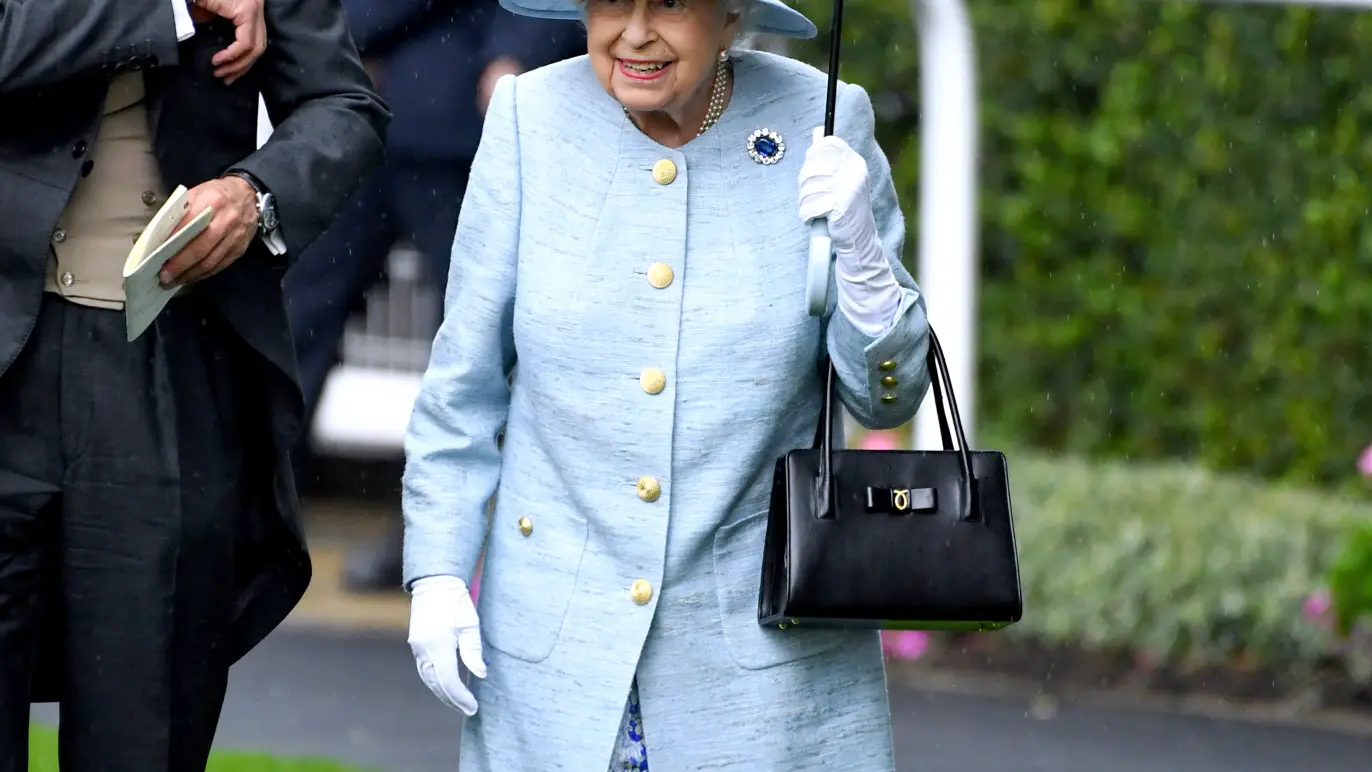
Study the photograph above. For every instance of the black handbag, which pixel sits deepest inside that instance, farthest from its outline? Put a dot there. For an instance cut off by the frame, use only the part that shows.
(894, 540)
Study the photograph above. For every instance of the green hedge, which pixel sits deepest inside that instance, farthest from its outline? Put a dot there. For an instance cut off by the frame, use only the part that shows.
(1175, 208)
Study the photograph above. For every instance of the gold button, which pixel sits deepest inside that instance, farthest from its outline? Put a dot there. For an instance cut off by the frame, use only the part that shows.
(889, 381)
(526, 526)
(660, 275)
(664, 172)
(149, 197)
(59, 235)
(888, 398)
(652, 380)
(641, 592)
(648, 489)
(67, 279)
(888, 365)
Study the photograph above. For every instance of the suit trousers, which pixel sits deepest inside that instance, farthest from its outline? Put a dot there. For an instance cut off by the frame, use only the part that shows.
(120, 476)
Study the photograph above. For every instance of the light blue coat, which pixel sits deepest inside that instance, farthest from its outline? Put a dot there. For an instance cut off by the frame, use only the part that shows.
(562, 220)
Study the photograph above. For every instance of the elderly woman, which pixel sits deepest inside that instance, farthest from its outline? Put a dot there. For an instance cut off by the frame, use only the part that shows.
(635, 237)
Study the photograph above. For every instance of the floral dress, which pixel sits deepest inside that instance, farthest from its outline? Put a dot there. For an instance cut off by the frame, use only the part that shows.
(631, 755)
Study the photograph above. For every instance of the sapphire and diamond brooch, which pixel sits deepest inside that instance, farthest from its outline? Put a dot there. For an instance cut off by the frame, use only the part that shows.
(765, 146)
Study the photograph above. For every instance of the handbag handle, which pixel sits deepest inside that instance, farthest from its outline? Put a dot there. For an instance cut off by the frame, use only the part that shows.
(826, 500)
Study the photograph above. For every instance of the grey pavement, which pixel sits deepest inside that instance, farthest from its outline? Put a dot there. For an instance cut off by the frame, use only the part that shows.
(357, 698)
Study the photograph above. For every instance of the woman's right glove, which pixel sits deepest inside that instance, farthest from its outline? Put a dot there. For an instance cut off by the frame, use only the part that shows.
(834, 184)
(443, 624)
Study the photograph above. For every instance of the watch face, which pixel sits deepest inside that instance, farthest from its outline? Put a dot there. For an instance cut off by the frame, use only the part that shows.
(269, 212)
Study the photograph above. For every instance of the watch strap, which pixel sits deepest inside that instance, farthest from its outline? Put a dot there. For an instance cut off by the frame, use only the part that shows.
(262, 196)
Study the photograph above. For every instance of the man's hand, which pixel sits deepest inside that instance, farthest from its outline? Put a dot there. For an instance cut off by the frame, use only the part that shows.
(198, 13)
(494, 71)
(230, 232)
(250, 34)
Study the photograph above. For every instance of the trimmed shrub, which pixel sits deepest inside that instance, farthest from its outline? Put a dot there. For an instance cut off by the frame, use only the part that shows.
(1175, 563)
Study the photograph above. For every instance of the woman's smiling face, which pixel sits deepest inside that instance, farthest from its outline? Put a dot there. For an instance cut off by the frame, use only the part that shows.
(656, 55)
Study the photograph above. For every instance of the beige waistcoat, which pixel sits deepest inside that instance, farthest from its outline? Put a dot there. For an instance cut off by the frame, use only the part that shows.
(118, 194)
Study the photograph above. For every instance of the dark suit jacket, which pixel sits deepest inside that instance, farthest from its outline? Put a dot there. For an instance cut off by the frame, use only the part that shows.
(432, 54)
(55, 60)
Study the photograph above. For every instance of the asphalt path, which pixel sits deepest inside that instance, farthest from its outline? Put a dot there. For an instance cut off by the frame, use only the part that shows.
(356, 697)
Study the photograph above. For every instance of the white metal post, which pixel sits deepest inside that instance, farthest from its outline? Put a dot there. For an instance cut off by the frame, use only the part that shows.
(948, 226)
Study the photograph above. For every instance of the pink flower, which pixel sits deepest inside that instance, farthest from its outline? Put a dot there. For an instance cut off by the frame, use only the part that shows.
(905, 645)
(1365, 462)
(1316, 607)
(882, 439)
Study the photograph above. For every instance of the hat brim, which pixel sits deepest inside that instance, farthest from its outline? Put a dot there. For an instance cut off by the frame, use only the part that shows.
(771, 17)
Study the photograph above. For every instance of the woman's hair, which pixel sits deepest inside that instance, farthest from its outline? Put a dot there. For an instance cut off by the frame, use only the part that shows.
(743, 9)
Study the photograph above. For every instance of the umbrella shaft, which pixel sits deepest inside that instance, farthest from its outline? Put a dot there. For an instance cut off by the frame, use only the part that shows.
(835, 37)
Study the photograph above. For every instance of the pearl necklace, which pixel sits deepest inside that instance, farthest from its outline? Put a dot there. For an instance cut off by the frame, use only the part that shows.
(718, 96)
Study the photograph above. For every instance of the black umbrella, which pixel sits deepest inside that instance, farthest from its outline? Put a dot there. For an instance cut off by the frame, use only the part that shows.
(821, 247)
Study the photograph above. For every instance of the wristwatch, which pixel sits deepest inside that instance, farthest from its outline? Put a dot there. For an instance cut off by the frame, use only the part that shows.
(267, 219)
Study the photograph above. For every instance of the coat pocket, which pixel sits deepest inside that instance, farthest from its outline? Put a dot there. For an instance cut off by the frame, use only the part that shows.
(533, 556)
(738, 573)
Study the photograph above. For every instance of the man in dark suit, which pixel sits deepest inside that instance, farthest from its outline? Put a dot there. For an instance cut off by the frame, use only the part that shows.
(149, 534)
(436, 63)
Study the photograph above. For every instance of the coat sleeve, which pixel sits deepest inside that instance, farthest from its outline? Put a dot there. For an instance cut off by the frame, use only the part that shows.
(329, 127)
(881, 380)
(45, 42)
(452, 457)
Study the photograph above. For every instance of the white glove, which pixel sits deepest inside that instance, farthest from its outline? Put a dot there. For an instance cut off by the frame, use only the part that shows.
(834, 185)
(443, 622)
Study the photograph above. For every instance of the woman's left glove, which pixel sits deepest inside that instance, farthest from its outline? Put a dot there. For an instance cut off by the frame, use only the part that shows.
(444, 625)
(834, 185)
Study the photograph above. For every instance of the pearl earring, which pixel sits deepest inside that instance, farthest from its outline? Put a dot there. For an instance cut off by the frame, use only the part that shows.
(723, 56)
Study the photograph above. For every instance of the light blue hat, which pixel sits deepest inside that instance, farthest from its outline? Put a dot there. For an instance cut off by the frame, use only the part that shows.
(772, 17)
